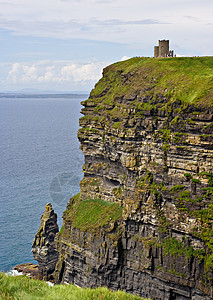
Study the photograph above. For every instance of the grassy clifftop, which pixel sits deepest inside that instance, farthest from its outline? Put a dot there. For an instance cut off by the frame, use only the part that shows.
(188, 79)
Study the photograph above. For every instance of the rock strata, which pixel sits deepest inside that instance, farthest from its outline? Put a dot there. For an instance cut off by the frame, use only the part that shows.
(43, 247)
(143, 221)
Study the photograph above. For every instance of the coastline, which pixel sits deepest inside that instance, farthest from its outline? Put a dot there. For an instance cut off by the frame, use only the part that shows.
(28, 269)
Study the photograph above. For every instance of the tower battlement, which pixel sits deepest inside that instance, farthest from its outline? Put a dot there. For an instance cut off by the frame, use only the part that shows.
(162, 50)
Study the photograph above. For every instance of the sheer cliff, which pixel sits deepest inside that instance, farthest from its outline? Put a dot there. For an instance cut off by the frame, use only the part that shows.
(143, 219)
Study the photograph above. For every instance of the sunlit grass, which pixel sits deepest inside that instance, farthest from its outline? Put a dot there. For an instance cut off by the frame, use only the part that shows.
(93, 213)
(25, 288)
(188, 79)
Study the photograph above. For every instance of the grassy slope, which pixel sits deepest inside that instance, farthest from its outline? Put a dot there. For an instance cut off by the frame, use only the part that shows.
(188, 79)
(22, 287)
(92, 213)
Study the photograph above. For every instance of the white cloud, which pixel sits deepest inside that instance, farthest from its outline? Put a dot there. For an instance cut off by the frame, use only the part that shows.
(89, 71)
(15, 70)
(22, 73)
(60, 74)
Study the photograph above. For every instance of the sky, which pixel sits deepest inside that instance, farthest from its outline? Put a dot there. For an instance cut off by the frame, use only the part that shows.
(63, 45)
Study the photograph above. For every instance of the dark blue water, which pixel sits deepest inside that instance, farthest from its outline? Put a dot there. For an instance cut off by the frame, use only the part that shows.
(40, 162)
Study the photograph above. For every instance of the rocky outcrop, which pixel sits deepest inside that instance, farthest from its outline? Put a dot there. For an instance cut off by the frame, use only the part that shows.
(44, 246)
(143, 219)
(27, 269)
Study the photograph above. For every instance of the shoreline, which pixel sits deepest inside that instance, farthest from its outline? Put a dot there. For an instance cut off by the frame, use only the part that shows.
(28, 269)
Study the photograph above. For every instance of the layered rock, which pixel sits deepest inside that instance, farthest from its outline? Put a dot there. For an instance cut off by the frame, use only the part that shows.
(147, 141)
(43, 247)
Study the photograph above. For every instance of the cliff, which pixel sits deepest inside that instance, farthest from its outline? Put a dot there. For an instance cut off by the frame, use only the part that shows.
(143, 219)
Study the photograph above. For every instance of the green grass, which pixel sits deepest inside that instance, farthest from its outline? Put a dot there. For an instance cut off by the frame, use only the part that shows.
(116, 125)
(188, 176)
(175, 248)
(177, 188)
(92, 214)
(25, 288)
(188, 79)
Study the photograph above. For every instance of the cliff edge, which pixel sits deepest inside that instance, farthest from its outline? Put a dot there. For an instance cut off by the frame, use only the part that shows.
(143, 219)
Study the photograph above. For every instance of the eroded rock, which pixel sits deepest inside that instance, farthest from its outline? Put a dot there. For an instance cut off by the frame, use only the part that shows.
(43, 247)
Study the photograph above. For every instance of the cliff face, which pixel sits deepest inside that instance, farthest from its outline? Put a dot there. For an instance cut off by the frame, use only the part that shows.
(143, 219)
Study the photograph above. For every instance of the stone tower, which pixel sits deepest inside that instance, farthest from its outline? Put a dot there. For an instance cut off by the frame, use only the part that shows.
(162, 50)
(156, 51)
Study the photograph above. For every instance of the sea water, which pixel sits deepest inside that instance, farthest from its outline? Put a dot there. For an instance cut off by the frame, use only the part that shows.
(40, 162)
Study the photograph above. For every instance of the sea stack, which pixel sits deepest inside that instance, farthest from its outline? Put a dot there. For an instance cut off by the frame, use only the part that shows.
(44, 246)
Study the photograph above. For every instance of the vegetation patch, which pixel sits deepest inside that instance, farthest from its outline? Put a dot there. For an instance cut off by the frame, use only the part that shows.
(149, 241)
(164, 225)
(90, 182)
(188, 176)
(116, 125)
(177, 188)
(190, 77)
(194, 180)
(163, 134)
(202, 212)
(185, 202)
(208, 176)
(146, 183)
(171, 246)
(23, 287)
(171, 271)
(93, 213)
(179, 137)
(205, 232)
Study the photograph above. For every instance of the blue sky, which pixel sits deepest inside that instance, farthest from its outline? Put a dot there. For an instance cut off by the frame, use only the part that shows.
(63, 45)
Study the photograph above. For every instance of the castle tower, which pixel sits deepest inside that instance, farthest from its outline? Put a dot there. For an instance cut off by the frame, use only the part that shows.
(163, 48)
(156, 51)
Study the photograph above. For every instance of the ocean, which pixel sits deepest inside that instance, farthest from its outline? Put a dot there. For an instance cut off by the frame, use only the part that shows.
(40, 162)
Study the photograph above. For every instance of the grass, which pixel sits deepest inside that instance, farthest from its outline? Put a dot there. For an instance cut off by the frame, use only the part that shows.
(25, 288)
(116, 125)
(93, 213)
(177, 188)
(188, 79)
(176, 248)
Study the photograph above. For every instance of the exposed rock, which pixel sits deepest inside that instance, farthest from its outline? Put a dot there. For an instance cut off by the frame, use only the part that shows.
(28, 269)
(44, 246)
(148, 149)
